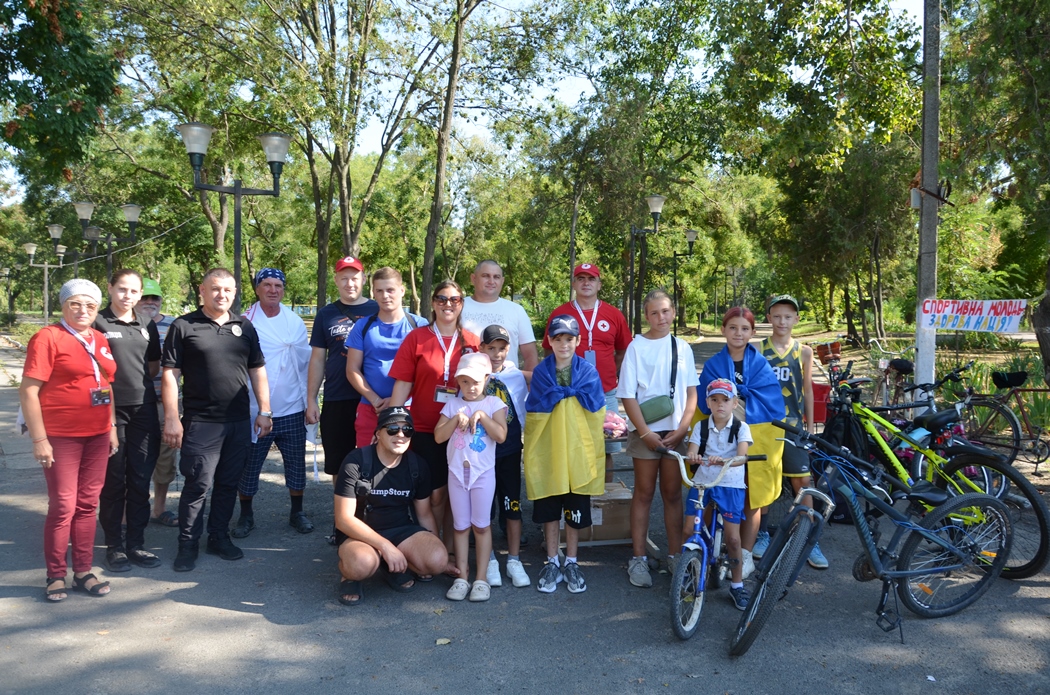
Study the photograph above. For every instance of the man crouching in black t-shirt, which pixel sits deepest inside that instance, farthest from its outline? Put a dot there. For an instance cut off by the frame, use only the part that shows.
(376, 492)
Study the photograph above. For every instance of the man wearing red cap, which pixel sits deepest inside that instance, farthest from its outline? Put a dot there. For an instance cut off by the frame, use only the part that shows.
(604, 333)
(328, 364)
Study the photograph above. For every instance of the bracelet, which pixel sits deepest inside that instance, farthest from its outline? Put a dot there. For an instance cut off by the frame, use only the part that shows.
(643, 436)
(37, 441)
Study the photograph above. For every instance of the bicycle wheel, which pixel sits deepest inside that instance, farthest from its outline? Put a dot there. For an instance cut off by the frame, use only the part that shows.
(994, 426)
(770, 587)
(687, 600)
(720, 569)
(977, 524)
(1028, 511)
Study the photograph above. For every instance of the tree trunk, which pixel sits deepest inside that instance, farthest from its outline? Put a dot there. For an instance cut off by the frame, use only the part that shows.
(861, 309)
(322, 218)
(1041, 324)
(341, 171)
(880, 321)
(851, 328)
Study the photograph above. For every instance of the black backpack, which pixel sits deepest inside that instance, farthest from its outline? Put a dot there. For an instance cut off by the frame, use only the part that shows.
(705, 429)
(375, 317)
(367, 481)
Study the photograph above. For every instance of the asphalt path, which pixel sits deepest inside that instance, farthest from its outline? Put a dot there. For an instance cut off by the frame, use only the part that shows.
(271, 622)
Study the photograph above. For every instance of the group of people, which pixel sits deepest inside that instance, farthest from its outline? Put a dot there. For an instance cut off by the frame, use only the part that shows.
(427, 425)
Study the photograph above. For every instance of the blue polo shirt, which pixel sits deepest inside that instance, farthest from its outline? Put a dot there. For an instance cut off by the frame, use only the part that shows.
(378, 349)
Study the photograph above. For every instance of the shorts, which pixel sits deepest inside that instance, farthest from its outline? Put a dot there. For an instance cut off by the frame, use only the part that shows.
(796, 460)
(508, 486)
(337, 433)
(574, 508)
(396, 535)
(471, 506)
(637, 449)
(612, 405)
(730, 501)
(167, 463)
(435, 455)
(365, 424)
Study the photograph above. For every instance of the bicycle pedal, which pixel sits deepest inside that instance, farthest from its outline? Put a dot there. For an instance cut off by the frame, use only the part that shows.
(888, 621)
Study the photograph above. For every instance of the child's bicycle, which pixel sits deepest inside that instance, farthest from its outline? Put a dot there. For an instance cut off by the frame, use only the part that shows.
(938, 561)
(703, 562)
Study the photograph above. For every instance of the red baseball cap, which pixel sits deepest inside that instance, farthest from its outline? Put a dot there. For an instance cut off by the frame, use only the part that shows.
(349, 262)
(587, 269)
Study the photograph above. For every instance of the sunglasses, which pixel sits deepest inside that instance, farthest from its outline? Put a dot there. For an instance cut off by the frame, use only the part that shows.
(407, 430)
(454, 301)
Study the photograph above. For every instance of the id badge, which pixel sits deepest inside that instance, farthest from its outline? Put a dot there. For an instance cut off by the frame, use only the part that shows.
(592, 358)
(444, 394)
(101, 396)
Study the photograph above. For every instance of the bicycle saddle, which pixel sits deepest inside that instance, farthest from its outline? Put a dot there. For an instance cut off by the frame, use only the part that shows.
(925, 492)
(902, 366)
(853, 383)
(935, 422)
(1009, 380)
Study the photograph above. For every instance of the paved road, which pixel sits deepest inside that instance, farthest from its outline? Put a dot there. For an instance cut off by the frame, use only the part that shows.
(270, 622)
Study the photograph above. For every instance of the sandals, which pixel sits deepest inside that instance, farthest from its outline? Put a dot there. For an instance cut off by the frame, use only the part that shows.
(170, 519)
(401, 582)
(56, 595)
(424, 577)
(479, 592)
(96, 589)
(350, 587)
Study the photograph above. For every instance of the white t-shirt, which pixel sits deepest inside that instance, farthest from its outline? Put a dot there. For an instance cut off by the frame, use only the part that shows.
(477, 316)
(514, 380)
(646, 373)
(286, 347)
(718, 444)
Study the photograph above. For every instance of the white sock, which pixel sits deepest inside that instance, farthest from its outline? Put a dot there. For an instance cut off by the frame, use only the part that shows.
(736, 586)
(570, 561)
(553, 560)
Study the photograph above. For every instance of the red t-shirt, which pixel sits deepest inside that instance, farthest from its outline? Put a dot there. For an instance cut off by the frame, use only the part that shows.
(58, 359)
(421, 360)
(610, 334)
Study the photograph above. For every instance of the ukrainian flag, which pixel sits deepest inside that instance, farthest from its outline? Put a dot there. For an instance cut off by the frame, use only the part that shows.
(564, 443)
(764, 402)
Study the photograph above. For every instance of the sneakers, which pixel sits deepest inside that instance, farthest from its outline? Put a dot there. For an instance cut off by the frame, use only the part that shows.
(638, 572)
(492, 575)
(244, 526)
(458, 591)
(740, 597)
(517, 574)
(549, 577)
(761, 543)
(749, 563)
(574, 578)
(117, 559)
(223, 547)
(186, 559)
(817, 559)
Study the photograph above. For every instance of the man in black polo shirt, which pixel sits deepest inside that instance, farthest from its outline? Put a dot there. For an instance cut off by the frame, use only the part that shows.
(216, 353)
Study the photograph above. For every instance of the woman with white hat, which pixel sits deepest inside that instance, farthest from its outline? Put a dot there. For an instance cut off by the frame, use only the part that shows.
(67, 403)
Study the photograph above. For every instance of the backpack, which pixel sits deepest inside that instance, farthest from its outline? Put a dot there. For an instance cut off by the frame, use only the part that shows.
(705, 429)
(366, 481)
(375, 317)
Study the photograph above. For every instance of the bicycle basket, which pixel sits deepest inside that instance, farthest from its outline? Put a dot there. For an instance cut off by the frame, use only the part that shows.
(1009, 380)
(829, 351)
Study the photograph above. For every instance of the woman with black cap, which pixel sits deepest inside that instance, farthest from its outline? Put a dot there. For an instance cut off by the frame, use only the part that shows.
(382, 512)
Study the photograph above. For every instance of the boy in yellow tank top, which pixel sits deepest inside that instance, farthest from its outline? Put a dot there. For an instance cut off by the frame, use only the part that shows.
(793, 364)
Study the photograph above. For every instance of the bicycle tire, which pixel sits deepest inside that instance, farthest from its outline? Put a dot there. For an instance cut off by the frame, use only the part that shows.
(687, 600)
(994, 426)
(1031, 521)
(770, 587)
(720, 568)
(947, 589)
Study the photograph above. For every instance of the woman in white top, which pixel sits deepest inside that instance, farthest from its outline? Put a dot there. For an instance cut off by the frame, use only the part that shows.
(645, 375)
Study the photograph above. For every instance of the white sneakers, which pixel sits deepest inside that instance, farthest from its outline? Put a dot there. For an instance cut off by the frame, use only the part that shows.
(749, 563)
(492, 575)
(517, 574)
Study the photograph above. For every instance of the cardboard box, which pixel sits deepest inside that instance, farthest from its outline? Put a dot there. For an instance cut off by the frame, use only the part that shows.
(610, 516)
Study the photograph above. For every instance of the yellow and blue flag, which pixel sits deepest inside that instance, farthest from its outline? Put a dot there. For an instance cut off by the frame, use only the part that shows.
(564, 441)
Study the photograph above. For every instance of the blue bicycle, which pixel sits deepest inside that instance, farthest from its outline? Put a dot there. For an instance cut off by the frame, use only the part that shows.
(703, 562)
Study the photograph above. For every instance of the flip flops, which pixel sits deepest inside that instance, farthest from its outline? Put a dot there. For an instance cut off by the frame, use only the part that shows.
(350, 587)
(96, 589)
(170, 519)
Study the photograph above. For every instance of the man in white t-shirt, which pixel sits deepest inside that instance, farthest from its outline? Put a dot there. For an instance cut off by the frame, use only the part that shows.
(487, 308)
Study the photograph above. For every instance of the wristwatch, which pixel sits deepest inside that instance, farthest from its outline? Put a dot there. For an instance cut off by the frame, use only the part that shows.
(266, 413)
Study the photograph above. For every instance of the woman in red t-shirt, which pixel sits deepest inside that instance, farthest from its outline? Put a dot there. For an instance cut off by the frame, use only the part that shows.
(425, 368)
(67, 403)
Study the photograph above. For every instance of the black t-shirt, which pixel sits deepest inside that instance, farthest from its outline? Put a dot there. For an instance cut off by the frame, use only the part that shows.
(214, 361)
(331, 326)
(134, 346)
(390, 503)
(738, 375)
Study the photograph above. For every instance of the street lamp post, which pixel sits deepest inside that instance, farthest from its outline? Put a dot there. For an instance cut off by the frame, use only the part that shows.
(55, 231)
(196, 136)
(93, 234)
(656, 206)
(690, 236)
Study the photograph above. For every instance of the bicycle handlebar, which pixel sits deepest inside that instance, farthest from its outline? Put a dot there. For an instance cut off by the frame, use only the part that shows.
(688, 479)
(884, 351)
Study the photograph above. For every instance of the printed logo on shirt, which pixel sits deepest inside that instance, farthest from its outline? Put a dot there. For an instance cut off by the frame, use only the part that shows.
(390, 493)
(783, 373)
(236, 330)
(104, 351)
(145, 333)
(341, 329)
(110, 335)
(603, 326)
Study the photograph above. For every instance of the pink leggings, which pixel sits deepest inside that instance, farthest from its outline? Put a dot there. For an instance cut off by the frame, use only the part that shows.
(74, 482)
(472, 507)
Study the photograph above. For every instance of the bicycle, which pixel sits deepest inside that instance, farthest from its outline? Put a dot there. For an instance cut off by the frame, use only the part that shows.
(940, 460)
(1008, 431)
(894, 370)
(704, 562)
(944, 563)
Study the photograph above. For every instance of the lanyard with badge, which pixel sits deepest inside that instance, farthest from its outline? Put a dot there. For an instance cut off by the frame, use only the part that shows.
(590, 355)
(445, 393)
(99, 395)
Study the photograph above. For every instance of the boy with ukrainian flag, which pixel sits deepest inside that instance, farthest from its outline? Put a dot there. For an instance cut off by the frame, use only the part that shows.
(564, 456)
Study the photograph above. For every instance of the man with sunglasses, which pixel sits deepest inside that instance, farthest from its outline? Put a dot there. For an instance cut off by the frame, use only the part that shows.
(382, 513)
(486, 308)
